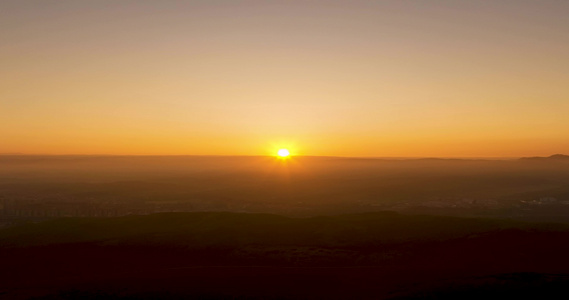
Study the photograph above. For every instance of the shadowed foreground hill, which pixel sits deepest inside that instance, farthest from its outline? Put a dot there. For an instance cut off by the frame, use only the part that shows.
(376, 255)
(203, 229)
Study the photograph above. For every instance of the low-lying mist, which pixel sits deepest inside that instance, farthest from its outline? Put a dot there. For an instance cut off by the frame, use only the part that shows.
(40, 187)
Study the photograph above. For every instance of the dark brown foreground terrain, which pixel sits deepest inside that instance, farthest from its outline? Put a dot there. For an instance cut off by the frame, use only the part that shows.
(250, 256)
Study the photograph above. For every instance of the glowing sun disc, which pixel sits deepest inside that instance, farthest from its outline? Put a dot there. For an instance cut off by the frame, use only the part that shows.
(283, 153)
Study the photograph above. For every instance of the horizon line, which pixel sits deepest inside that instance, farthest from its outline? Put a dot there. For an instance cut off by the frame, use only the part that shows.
(251, 156)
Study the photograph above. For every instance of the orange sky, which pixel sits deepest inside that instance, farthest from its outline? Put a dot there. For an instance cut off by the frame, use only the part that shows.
(347, 78)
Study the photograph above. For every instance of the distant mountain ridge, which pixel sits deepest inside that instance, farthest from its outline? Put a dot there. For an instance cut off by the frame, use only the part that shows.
(554, 157)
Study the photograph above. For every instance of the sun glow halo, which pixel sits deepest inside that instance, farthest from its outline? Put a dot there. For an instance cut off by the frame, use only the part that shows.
(283, 153)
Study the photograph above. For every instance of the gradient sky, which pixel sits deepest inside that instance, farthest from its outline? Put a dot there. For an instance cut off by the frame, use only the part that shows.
(348, 78)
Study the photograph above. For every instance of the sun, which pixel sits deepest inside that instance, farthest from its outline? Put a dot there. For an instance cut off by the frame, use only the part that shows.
(283, 153)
